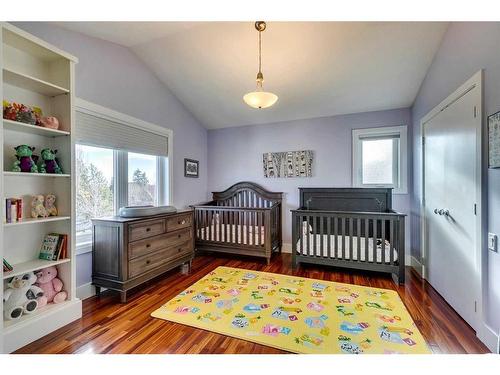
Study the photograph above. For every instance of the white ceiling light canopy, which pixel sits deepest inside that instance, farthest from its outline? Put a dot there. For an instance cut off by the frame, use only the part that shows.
(260, 98)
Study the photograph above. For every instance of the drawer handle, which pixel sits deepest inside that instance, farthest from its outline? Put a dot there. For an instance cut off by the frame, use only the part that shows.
(181, 222)
(179, 249)
(148, 261)
(148, 229)
(179, 235)
(148, 245)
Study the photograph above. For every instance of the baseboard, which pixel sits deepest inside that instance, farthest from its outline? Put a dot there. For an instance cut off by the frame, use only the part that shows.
(86, 291)
(489, 338)
(417, 266)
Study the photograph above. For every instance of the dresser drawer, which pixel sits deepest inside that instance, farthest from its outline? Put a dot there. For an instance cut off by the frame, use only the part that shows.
(147, 229)
(146, 263)
(178, 222)
(152, 244)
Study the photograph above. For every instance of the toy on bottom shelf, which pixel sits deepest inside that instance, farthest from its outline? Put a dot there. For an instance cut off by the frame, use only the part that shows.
(37, 207)
(21, 295)
(50, 205)
(24, 162)
(49, 162)
(52, 286)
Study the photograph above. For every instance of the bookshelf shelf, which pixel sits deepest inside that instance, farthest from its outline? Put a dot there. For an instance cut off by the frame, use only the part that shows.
(37, 221)
(32, 265)
(33, 129)
(26, 174)
(30, 83)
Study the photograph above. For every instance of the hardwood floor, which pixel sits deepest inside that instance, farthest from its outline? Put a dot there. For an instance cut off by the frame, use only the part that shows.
(107, 326)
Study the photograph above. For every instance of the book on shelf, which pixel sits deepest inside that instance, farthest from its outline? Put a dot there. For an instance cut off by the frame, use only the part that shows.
(54, 247)
(13, 210)
(6, 266)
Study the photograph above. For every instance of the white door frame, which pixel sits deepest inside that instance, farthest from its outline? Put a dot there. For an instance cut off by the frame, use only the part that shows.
(476, 81)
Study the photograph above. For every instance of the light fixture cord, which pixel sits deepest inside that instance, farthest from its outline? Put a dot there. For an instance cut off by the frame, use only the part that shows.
(260, 51)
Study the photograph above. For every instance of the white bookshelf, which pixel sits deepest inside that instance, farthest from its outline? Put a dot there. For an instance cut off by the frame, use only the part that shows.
(35, 73)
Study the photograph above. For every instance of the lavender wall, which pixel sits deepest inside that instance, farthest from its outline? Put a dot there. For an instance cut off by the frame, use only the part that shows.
(465, 49)
(235, 154)
(112, 76)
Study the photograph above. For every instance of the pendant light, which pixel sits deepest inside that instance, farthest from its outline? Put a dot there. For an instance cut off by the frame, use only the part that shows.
(260, 98)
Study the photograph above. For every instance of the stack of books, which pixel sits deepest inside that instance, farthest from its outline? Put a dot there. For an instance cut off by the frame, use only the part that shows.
(54, 247)
(6, 266)
(13, 210)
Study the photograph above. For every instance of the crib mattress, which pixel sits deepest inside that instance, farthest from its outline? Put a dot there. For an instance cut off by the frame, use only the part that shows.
(374, 252)
(218, 233)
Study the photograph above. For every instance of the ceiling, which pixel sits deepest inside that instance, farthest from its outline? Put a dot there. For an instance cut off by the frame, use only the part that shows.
(316, 68)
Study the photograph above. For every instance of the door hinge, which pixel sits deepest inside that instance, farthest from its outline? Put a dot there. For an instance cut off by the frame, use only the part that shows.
(475, 111)
(423, 140)
(475, 306)
(475, 209)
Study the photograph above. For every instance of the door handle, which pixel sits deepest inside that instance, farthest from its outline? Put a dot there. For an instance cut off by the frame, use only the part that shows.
(442, 212)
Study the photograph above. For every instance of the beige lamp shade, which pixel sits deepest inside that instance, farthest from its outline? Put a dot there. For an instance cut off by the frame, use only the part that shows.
(260, 99)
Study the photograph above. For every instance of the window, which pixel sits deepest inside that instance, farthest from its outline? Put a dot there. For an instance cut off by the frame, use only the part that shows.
(380, 158)
(95, 190)
(142, 171)
(121, 161)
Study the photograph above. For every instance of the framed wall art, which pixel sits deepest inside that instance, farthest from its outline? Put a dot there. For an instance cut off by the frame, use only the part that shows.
(494, 140)
(191, 168)
(288, 164)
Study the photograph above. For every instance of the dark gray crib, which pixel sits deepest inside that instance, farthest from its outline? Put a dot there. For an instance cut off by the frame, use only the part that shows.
(351, 228)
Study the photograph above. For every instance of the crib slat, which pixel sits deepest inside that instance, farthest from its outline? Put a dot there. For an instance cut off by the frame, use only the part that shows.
(315, 228)
(219, 226)
(358, 239)
(301, 235)
(237, 229)
(374, 243)
(328, 236)
(248, 226)
(342, 249)
(367, 234)
(308, 238)
(382, 236)
(322, 237)
(335, 236)
(254, 227)
(351, 235)
(391, 242)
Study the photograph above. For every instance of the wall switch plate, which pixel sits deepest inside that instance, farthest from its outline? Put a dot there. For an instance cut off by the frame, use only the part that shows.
(492, 242)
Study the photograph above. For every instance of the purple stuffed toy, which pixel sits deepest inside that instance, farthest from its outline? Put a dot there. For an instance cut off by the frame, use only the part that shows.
(24, 162)
(49, 162)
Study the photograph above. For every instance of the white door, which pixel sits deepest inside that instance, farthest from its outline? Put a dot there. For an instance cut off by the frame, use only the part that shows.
(450, 183)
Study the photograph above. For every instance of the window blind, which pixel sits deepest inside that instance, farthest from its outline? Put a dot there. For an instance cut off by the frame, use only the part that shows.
(97, 131)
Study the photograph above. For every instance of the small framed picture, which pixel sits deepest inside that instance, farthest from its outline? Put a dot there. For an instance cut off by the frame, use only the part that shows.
(191, 168)
(494, 140)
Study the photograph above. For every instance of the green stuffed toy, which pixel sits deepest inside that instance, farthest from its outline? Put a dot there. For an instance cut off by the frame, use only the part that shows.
(24, 161)
(49, 162)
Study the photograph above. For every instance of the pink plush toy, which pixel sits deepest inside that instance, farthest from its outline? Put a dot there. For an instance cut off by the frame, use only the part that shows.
(52, 286)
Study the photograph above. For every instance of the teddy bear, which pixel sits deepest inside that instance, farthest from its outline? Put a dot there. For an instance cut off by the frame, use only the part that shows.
(24, 160)
(49, 162)
(52, 286)
(21, 295)
(37, 207)
(50, 205)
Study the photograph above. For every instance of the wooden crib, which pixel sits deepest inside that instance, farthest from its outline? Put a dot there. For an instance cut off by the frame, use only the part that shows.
(244, 219)
(349, 227)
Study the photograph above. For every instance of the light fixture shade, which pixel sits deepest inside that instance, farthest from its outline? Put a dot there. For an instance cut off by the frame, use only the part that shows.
(260, 99)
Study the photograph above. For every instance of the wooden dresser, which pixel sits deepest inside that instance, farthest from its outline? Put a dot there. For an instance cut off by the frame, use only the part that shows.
(130, 251)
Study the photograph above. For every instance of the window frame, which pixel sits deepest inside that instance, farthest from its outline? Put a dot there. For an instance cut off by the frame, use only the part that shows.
(164, 165)
(401, 165)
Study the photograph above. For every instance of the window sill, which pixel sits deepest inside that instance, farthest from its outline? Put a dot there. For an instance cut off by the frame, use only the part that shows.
(84, 248)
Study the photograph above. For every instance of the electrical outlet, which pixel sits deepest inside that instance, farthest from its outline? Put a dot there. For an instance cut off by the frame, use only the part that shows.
(492, 242)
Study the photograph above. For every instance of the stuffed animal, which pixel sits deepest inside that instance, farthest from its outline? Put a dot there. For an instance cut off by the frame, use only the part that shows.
(37, 207)
(52, 286)
(50, 122)
(49, 162)
(24, 162)
(21, 295)
(50, 205)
